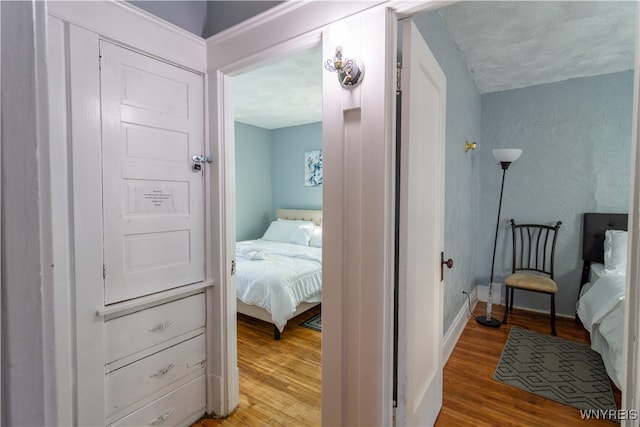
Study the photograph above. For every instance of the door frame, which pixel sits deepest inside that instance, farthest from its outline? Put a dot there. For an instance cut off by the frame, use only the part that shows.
(265, 37)
(631, 376)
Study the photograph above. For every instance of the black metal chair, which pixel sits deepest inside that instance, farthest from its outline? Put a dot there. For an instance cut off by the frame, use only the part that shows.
(534, 249)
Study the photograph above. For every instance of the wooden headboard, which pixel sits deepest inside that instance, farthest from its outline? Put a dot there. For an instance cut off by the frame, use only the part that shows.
(593, 227)
(300, 215)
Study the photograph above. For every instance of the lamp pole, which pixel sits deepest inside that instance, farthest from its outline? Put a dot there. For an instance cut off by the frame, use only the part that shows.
(487, 320)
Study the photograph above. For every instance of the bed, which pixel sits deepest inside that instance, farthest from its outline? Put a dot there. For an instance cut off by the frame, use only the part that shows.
(279, 276)
(602, 287)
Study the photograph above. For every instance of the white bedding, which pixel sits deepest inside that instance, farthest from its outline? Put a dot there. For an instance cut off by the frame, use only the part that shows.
(601, 310)
(596, 271)
(278, 276)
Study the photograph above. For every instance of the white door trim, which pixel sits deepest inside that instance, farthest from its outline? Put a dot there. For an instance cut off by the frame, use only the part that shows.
(123, 22)
(27, 253)
(631, 386)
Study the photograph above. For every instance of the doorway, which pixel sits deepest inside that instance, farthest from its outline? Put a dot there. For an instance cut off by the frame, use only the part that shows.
(277, 109)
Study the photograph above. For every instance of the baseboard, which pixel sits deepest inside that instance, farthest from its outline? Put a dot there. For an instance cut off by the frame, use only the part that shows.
(455, 330)
(535, 310)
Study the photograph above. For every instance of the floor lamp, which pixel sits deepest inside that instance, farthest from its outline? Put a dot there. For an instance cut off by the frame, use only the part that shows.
(505, 156)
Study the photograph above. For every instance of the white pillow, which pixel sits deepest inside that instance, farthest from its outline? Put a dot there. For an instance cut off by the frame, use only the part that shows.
(301, 235)
(316, 238)
(615, 251)
(279, 231)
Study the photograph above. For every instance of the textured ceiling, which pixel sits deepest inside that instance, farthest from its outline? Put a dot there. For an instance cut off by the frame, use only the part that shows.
(285, 93)
(506, 45)
(514, 44)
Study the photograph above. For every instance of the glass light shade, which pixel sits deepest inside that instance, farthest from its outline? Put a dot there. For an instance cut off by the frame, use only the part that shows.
(506, 154)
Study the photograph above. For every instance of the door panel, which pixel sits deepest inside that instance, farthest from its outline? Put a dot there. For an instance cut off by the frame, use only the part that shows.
(152, 116)
(421, 225)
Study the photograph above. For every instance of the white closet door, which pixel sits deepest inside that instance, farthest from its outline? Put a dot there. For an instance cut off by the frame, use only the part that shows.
(421, 240)
(152, 125)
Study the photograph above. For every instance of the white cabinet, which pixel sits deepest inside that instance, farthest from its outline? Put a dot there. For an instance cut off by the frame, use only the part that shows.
(153, 226)
(129, 117)
(161, 354)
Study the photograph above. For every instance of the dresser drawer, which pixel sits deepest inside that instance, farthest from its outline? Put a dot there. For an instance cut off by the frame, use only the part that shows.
(173, 409)
(127, 386)
(134, 332)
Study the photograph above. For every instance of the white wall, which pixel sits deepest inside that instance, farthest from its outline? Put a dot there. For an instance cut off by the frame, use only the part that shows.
(27, 365)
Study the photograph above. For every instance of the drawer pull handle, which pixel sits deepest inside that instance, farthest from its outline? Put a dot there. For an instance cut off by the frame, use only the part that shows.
(161, 326)
(161, 418)
(162, 371)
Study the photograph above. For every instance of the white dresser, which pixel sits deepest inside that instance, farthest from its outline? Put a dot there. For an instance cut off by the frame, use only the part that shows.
(155, 367)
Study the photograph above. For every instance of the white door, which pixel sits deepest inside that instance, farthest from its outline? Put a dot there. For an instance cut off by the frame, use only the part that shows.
(421, 221)
(152, 126)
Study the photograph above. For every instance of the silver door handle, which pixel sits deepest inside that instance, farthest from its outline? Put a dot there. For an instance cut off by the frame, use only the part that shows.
(199, 160)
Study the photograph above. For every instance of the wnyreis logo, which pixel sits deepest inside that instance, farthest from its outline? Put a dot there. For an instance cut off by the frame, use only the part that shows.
(611, 414)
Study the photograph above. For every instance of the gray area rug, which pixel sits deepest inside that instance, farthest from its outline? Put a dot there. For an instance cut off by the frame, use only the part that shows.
(314, 323)
(555, 368)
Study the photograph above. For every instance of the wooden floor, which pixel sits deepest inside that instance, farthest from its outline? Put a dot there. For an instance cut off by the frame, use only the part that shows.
(280, 380)
(472, 398)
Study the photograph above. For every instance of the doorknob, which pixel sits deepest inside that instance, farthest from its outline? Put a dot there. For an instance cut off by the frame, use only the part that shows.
(199, 160)
(448, 263)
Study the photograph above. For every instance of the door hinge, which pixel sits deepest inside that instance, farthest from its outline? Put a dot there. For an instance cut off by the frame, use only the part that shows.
(233, 267)
(399, 78)
(104, 271)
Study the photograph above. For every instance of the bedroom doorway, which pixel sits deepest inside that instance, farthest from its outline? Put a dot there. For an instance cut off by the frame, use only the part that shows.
(278, 219)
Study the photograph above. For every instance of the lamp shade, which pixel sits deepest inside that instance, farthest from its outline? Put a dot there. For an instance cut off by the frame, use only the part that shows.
(506, 154)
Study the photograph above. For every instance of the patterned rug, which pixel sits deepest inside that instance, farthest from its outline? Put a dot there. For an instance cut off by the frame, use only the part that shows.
(314, 323)
(555, 368)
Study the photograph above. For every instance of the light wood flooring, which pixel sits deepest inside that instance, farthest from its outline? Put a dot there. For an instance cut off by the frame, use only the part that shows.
(280, 380)
(472, 398)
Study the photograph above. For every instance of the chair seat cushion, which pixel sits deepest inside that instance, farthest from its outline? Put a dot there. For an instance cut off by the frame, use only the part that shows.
(531, 282)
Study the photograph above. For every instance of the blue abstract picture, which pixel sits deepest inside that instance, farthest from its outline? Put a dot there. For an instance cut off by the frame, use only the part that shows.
(312, 168)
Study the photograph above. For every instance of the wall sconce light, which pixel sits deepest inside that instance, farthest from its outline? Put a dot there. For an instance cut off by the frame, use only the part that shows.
(350, 74)
(469, 146)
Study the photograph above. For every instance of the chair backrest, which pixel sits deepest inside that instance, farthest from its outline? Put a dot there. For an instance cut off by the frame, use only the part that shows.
(534, 247)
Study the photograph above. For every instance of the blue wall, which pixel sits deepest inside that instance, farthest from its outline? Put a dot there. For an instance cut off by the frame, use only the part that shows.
(287, 165)
(270, 174)
(253, 181)
(576, 142)
(462, 169)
